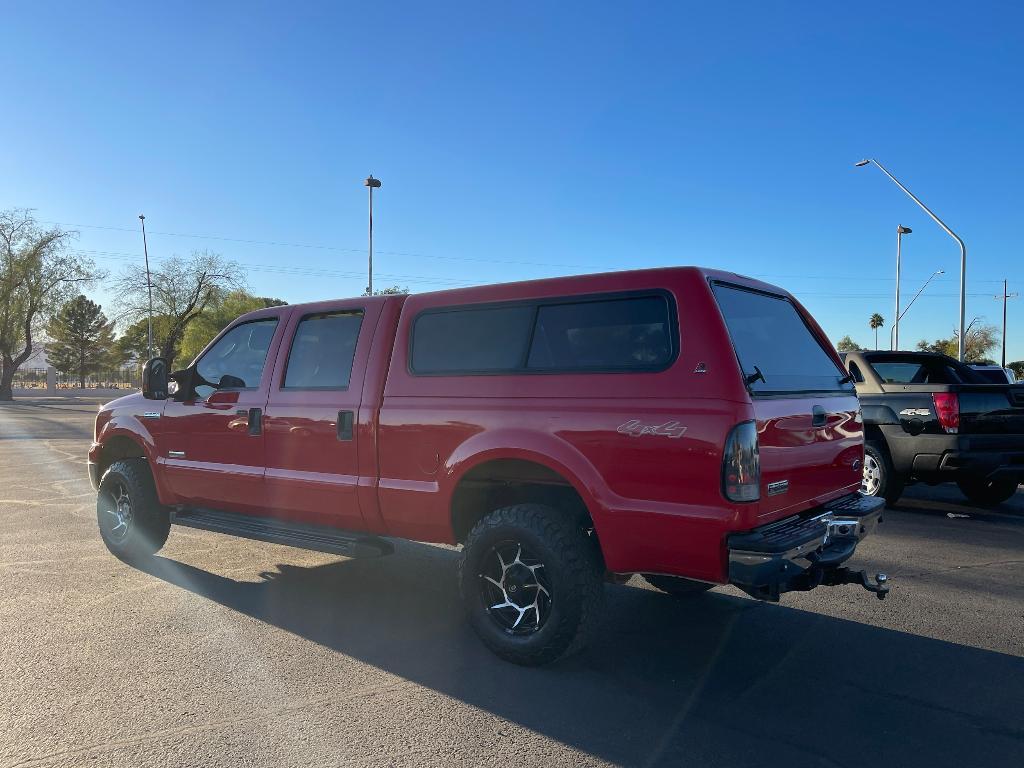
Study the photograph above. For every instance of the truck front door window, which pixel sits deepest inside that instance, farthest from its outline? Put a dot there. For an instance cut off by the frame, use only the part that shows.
(240, 353)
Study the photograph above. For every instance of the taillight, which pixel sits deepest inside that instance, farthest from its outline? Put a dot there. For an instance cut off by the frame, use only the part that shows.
(947, 409)
(741, 464)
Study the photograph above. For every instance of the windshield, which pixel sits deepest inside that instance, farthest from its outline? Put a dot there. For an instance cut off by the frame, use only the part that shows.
(776, 349)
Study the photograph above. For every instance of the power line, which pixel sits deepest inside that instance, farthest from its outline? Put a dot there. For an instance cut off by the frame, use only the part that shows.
(479, 260)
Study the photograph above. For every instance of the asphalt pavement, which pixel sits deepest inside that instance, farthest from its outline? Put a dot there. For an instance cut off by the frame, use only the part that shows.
(225, 652)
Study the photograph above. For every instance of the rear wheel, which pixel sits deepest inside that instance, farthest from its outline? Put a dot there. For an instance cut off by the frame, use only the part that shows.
(132, 522)
(532, 583)
(988, 493)
(879, 478)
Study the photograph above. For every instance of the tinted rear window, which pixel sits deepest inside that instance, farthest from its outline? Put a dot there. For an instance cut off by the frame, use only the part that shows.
(615, 334)
(769, 333)
(992, 375)
(926, 370)
(472, 340)
(602, 335)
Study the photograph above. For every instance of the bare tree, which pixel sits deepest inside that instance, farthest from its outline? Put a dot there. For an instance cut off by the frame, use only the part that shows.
(37, 274)
(182, 289)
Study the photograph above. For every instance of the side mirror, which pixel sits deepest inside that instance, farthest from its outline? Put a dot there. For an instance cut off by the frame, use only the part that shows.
(154, 379)
(227, 381)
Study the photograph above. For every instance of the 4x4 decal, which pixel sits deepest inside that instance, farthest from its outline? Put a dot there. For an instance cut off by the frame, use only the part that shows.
(636, 428)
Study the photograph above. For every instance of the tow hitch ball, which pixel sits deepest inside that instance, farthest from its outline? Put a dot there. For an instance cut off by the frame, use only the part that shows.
(880, 586)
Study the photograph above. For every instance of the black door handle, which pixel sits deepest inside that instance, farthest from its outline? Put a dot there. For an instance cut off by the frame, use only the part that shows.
(345, 422)
(818, 417)
(255, 421)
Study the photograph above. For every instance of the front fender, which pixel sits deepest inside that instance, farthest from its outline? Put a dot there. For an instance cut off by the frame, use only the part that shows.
(131, 427)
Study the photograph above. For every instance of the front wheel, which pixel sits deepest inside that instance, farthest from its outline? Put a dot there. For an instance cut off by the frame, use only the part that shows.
(987, 493)
(133, 523)
(879, 478)
(532, 583)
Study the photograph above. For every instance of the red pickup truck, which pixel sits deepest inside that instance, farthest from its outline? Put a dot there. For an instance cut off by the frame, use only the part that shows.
(690, 425)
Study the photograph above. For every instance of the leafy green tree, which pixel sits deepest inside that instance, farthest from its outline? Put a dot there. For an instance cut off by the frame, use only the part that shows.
(37, 274)
(978, 342)
(132, 345)
(875, 322)
(1018, 369)
(82, 339)
(846, 344)
(216, 316)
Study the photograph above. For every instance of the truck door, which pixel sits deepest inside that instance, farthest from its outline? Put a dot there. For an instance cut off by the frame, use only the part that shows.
(312, 419)
(215, 452)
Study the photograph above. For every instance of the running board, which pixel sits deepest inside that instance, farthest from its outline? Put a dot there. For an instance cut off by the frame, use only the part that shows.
(318, 538)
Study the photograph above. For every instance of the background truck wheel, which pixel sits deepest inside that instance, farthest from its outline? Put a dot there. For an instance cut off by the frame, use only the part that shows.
(879, 478)
(987, 493)
(532, 583)
(677, 587)
(133, 523)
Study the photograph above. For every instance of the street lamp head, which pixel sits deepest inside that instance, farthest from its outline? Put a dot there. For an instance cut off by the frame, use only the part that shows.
(903, 230)
(941, 272)
(142, 217)
(371, 182)
(861, 163)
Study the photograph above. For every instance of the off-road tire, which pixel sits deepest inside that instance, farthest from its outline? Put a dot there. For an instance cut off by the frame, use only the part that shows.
(987, 493)
(572, 567)
(887, 483)
(676, 586)
(150, 521)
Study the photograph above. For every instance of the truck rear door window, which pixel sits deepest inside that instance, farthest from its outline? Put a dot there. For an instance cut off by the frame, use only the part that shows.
(622, 334)
(770, 336)
(322, 351)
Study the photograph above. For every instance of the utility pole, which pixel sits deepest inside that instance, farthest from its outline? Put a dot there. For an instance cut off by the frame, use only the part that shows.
(1004, 297)
(372, 184)
(149, 287)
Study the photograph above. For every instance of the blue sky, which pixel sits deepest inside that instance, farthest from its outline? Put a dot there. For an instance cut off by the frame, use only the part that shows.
(529, 140)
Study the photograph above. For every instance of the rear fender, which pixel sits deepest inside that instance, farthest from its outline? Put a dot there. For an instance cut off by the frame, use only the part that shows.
(539, 448)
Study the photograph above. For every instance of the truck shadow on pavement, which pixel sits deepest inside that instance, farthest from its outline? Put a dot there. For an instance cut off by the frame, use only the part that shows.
(716, 680)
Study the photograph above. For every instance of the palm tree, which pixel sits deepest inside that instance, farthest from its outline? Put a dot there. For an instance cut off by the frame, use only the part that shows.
(876, 322)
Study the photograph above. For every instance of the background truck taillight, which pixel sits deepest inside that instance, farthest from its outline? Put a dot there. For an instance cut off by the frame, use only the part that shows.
(741, 464)
(947, 409)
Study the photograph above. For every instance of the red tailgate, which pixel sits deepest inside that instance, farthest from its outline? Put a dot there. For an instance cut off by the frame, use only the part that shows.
(811, 451)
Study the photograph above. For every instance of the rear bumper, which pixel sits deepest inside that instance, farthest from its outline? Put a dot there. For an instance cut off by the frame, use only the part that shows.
(945, 457)
(807, 551)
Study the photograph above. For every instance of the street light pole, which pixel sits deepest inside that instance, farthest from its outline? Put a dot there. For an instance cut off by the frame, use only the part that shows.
(900, 232)
(372, 184)
(948, 231)
(149, 286)
(935, 274)
(1004, 297)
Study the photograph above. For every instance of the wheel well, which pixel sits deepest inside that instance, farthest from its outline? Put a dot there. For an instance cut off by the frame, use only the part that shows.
(873, 434)
(503, 482)
(119, 447)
